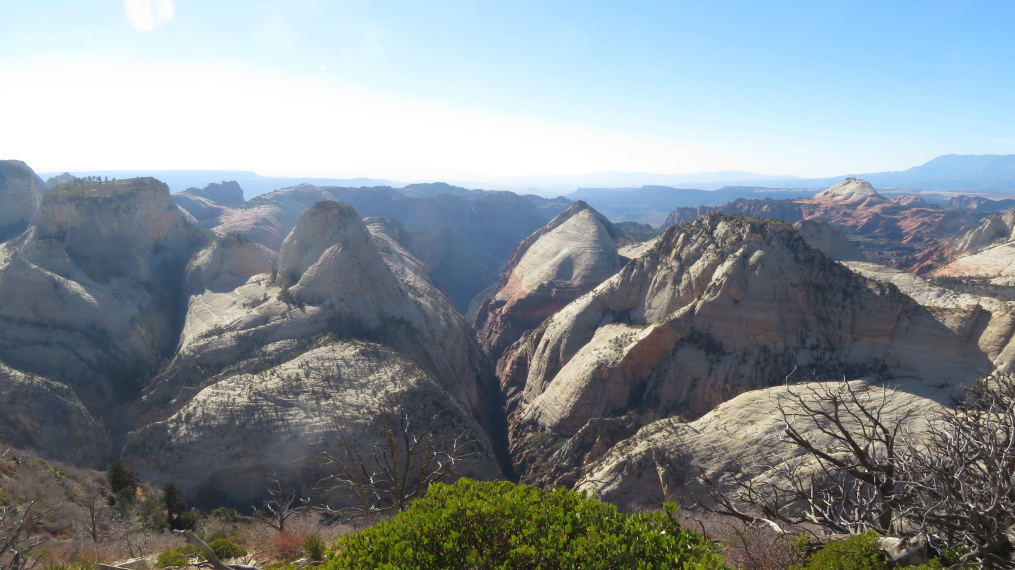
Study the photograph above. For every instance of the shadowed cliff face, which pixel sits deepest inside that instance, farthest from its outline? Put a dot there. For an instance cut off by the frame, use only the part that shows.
(721, 306)
(21, 191)
(349, 321)
(89, 295)
(42, 414)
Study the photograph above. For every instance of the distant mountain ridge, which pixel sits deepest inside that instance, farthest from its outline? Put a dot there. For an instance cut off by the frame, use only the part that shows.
(946, 173)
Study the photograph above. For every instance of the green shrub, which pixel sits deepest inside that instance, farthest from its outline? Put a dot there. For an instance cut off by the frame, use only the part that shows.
(314, 547)
(502, 525)
(151, 515)
(860, 552)
(225, 514)
(225, 548)
(179, 556)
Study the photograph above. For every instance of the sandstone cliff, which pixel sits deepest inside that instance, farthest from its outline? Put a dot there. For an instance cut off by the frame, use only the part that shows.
(463, 236)
(829, 241)
(89, 295)
(719, 307)
(742, 439)
(987, 251)
(572, 254)
(346, 320)
(208, 204)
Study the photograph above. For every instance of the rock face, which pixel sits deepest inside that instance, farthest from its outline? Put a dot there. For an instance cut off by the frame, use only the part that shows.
(46, 415)
(718, 307)
(89, 295)
(348, 324)
(575, 252)
(741, 439)
(268, 219)
(225, 194)
(987, 251)
(20, 192)
(979, 204)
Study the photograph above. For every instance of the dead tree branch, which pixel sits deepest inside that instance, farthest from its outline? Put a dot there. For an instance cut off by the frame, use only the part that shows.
(409, 454)
(18, 543)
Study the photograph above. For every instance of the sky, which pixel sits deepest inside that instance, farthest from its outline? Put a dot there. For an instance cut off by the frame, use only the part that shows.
(420, 89)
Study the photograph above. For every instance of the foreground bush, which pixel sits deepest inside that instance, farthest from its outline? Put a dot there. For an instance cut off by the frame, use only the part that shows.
(858, 552)
(502, 525)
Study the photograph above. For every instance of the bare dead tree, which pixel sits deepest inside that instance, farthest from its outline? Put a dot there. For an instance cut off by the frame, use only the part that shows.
(279, 508)
(409, 454)
(966, 480)
(956, 489)
(19, 545)
(856, 449)
(98, 520)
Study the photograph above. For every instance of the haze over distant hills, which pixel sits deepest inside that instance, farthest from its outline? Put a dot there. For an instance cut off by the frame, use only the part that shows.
(946, 173)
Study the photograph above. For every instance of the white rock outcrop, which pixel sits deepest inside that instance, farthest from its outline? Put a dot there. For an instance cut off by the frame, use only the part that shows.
(296, 350)
(88, 295)
(722, 306)
(575, 252)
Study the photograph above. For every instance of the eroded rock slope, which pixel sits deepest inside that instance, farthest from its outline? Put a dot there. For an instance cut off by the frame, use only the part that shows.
(719, 307)
(269, 363)
(572, 254)
(90, 294)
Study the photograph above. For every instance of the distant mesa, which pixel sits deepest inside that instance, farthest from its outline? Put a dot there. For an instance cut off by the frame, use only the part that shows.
(224, 194)
(433, 189)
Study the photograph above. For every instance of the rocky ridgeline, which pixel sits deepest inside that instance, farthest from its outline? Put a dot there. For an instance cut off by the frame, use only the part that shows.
(901, 232)
(983, 253)
(218, 359)
(719, 307)
(464, 237)
(272, 360)
(124, 321)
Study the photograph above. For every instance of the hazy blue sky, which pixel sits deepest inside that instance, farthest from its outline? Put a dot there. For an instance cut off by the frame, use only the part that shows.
(384, 88)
